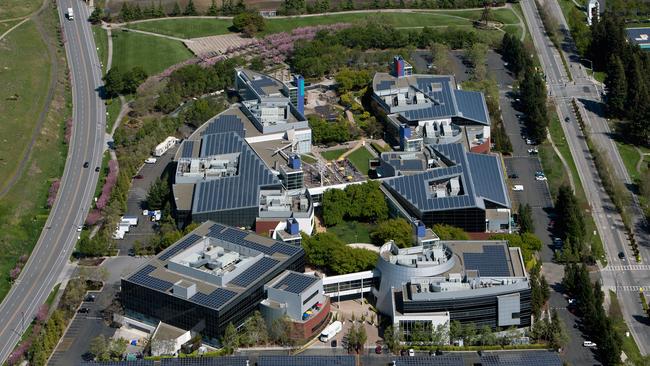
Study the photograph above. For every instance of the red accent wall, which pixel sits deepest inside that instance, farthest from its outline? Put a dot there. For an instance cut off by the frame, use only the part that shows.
(263, 227)
(313, 326)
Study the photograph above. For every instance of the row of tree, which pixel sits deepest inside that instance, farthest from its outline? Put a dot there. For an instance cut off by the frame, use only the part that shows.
(570, 226)
(327, 133)
(597, 325)
(293, 7)
(329, 253)
(132, 12)
(256, 332)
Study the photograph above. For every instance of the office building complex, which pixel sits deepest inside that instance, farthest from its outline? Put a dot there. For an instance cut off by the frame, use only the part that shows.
(213, 276)
(444, 184)
(425, 109)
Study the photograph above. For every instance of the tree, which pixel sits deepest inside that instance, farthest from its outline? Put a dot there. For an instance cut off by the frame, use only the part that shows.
(114, 81)
(201, 111)
(455, 331)
(393, 338)
(616, 86)
(158, 194)
(99, 347)
(230, 339)
(97, 15)
(281, 331)
(525, 217)
(486, 336)
(248, 22)
(255, 329)
(348, 79)
(441, 62)
(398, 230)
(176, 11)
(190, 9)
(132, 79)
(448, 232)
(212, 10)
(356, 337)
(476, 55)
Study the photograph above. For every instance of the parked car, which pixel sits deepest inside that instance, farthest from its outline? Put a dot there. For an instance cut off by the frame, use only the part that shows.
(588, 344)
(533, 151)
(378, 349)
(334, 343)
(572, 301)
(90, 298)
(540, 177)
(411, 352)
(518, 187)
(513, 176)
(402, 352)
(83, 310)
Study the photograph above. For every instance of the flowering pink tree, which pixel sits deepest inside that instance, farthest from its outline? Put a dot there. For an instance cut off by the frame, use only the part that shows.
(68, 130)
(17, 355)
(111, 180)
(41, 314)
(14, 273)
(51, 196)
(93, 216)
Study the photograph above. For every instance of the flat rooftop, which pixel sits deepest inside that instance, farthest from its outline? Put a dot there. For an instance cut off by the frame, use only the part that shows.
(245, 260)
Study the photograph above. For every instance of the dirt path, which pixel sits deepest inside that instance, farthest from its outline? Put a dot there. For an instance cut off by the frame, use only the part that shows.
(642, 156)
(3, 35)
(54, 69)
(157, 35)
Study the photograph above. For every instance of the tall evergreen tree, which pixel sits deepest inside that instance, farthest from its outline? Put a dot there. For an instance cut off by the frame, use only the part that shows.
(190, 9)
(212, 10)
(616, 86)
(176, 11)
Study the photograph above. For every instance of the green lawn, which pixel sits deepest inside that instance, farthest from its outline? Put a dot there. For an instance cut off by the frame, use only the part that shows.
(153, 54)
(308, 159)
(22, 210)
(628, 345)
(359, 158)
(18, 8)
(5, 26)
(185, 28)
(352, 231)
(192, 28)
(101, 41)
(52, 295)
(332, 154)
(113, 108)
(103, 173)
(25, 77)
(630, 158)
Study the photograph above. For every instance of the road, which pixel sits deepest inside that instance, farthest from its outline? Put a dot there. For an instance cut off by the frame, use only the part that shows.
(57, 240)
(608, 221)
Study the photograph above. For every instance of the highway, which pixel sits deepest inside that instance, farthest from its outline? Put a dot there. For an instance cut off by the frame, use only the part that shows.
(608, 221)
(57, 240)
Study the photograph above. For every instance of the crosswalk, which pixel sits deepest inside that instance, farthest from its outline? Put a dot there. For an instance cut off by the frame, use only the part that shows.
(629, 288)
(630, 267)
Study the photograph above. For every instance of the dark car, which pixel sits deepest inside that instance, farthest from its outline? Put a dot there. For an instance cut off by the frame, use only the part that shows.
(402, 353)
(90, 298)
(378, 350)
(567, 119)
(334, 343)
(83, 310)
(86, 165)
(139, 176)
(97, 169)
(513, 176)
(621, 255)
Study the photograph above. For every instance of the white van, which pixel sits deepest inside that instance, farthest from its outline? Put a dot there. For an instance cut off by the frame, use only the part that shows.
(150, 161)
(518, 187)
(70, 14)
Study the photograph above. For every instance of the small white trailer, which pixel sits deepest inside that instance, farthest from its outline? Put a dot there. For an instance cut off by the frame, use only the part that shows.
(162, 147)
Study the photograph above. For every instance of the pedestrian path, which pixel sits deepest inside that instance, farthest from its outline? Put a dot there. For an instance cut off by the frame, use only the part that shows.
(629, 288)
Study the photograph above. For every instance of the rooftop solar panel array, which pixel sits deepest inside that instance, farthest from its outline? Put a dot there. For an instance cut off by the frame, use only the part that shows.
(215, 229)
(416, 188)
(238, 237)
(528, 358)
(492, 262)
(471, 105)
(254, 272)
(259, 84)
(205, 361)
(487, 173)
(182, 245)
(295, 282)
(118, 363)
(443, 360)
(225, 123)
(347, 360)
(385, 84)
(188, 147)
(235, 192)
(215, 299)
(286, 249)
(142, 278)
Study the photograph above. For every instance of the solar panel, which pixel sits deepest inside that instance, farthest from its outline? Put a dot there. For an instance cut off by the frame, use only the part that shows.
(258, 84)
(205, 361)
(142, 278)
(188, 147)
(529, 358)
(118, 363)
(215, 299)
(487, 175)
(306, 361)
(182, 245)
(492, 262)
(225, 123)
(286, 249)
(254, 272)
(215, 230)
(295, 282)
(443, 360)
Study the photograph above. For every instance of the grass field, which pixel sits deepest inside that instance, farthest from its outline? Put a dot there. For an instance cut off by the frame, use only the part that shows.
(308, 159)
(18, 8)
(191, 28)
(101, 41)
(359, 158)
(630, 158)
(332, 154)
(24, 76)
(153, 54)
(352, 231)
(5, 26)
(628, 345)
(113, 109)
(22, 210)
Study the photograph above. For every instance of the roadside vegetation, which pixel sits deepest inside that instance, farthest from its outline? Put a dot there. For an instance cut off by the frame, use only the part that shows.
(24, 208)
(10, 9)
